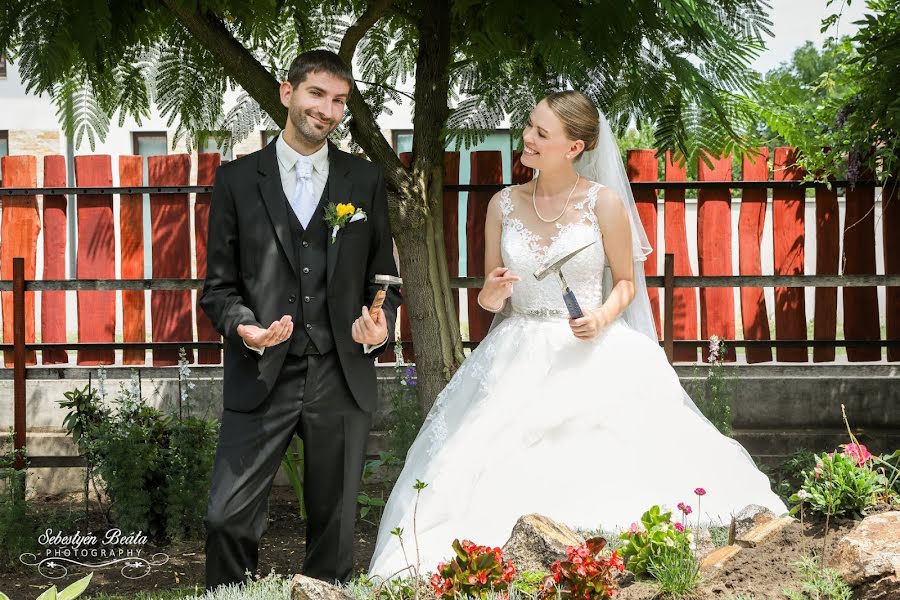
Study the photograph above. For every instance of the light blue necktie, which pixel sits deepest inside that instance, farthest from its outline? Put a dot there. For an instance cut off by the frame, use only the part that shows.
(304, 202)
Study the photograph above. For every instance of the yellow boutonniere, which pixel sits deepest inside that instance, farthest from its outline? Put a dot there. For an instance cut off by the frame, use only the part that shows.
(340, 215)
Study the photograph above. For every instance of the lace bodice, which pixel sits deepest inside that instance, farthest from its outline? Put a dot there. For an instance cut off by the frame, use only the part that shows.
(524, 249)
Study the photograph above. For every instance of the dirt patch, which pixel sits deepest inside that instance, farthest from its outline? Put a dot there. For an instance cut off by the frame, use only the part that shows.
(281, 549)
(761, 572)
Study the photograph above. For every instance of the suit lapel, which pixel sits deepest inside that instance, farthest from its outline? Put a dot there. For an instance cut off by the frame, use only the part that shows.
(339, 189)
(276, 204)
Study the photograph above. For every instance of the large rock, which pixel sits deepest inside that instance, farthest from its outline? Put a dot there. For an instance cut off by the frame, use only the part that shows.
(536, 542)
(868, 558)
(307, 588)
(749, 517)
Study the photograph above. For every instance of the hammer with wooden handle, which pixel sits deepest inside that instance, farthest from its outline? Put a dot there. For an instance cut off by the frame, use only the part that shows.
(384, 281)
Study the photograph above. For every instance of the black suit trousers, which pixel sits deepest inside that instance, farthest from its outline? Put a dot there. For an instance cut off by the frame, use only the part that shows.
(311, 398)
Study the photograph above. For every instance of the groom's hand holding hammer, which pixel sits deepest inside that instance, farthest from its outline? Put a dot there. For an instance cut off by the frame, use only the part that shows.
(370, 329)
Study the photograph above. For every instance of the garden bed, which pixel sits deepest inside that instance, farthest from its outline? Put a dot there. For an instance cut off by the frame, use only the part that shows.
(281, 549)
(764, 571)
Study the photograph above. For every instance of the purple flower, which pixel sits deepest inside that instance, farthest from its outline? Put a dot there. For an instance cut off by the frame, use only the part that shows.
(409, 376)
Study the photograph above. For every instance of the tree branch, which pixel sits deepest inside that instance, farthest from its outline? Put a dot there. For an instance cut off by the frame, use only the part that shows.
(387, 87)
(363, 126)
(235, 58)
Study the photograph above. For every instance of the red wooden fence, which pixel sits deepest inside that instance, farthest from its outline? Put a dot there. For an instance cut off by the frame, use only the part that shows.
(174, 316)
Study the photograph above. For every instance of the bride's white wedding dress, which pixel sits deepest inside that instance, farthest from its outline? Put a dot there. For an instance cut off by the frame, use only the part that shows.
(590, 433)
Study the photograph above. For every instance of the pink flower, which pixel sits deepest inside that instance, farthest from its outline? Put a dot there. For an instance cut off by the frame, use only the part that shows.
(681, 506)
(700, 492)
(679, 527)
(634, 529)
(857, 452)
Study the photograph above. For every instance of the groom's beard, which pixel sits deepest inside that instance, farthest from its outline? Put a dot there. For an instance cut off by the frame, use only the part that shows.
(300, 119)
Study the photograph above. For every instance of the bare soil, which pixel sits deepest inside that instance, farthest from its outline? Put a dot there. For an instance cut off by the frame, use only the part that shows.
(281, 549)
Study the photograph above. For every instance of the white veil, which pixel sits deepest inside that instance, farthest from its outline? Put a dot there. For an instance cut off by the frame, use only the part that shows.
(604, 165)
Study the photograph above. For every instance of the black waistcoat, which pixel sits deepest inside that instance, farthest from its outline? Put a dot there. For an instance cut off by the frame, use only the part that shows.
(312, 328)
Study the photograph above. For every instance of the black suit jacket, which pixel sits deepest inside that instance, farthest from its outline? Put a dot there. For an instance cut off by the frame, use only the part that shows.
(252, 275)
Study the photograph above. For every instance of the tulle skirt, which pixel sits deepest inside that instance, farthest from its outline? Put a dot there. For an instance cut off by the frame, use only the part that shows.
(590, 433)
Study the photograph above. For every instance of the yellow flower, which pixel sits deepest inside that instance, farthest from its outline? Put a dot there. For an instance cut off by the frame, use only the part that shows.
(345, 209)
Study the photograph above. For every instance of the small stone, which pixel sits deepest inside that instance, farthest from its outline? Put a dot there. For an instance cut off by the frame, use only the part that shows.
(307, 588)
(868, 557)
(536, 542)
(749, 517)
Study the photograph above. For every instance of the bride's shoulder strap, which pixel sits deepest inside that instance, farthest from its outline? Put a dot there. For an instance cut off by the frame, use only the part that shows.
(506, 205)
(592, 194)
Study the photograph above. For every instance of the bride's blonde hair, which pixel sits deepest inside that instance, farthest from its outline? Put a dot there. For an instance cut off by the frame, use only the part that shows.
(579, 116)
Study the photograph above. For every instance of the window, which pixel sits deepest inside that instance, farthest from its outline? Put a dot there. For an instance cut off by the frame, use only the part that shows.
(149, 143)
(4, 149)
(2, 67)
(268, 135)
(214, 142)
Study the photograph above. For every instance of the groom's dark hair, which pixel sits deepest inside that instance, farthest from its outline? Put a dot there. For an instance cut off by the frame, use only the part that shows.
(317, 61)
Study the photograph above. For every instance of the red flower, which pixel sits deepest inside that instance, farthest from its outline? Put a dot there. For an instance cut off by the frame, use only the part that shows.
(700, 492)
(858, 453)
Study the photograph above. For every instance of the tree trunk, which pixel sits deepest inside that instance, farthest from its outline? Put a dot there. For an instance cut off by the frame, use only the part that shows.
(429, 304)
(415, 194)
(423, 257)
(417, 207)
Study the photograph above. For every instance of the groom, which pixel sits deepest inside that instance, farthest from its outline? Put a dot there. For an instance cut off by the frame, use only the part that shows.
(300, 345)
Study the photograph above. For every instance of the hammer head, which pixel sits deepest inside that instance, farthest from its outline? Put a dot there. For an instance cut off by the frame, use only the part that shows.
(387, 280)
(555, 264)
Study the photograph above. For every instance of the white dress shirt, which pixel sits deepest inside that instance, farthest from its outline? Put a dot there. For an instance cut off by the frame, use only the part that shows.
(287, 159)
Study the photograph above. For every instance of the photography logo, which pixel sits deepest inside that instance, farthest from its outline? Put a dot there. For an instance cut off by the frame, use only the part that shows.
(112, 549)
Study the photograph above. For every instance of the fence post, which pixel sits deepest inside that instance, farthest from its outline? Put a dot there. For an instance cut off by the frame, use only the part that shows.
(669, 299)
(19, 363)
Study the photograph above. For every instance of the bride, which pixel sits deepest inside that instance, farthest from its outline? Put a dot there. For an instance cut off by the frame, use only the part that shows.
(582, 420)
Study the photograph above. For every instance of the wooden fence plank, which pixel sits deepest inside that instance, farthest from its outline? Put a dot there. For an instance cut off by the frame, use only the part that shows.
(788, 250)
(96, 258)
(53, 304)
(752, 220)
(131, 244)
(714, 251)
(207, 163)
(684, 305)
(828, 243)
(890, 223)
(861, 321)
(170, 310)
(642, 165)
(486, 167)
(19, 230)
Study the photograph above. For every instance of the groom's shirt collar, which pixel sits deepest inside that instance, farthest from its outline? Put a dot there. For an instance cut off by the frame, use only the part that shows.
(287, 156)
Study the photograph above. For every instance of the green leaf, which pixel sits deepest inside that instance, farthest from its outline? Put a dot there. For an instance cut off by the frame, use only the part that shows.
(76, 589)
(50, 594)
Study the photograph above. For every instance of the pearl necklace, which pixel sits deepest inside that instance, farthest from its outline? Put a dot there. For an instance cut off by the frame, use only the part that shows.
(534, 201)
